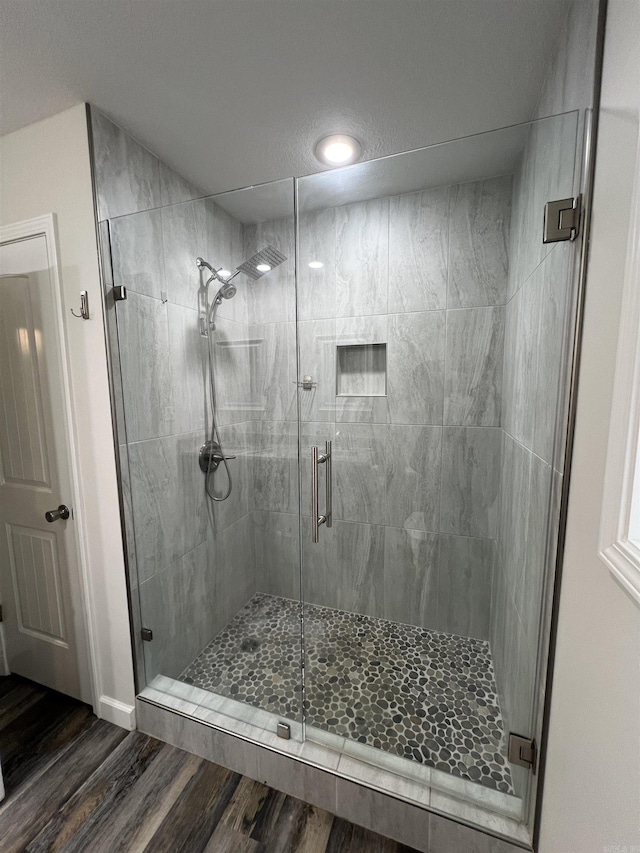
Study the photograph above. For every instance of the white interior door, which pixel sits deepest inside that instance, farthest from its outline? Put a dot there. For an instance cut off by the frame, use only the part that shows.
(40, 590)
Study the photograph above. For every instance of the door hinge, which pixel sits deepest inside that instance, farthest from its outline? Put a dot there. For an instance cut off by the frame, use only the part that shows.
(561, 220)
(147, 634)
(523, 751)
(119, 292)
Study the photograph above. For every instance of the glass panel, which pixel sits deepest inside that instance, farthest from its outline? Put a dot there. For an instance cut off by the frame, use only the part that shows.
(422, 599)
(212, 467)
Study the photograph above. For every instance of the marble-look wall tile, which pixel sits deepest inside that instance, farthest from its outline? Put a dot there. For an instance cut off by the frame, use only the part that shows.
(224, 248)
(528, 589)
(415, 367)
(413, 477)
(383, 814)
(359, 471)
(479, 229)
(317, 358)
(178, 605)
(360, 551)
(362, 258)
(464, 585)
(184, 240)
(497, 629)
(473, 367)
(143, 333)
(297, 779)
(411, 576)
(546, 172)
(507, 414)
(514, 509)
(136, 252)
(127, 175)
(447, 836)
(231, 555)
(272, 298)
(345, 569)
(277, 547)
(232, 352)
(525, 249)
(526, 313)
(272, 366)
(190, 501)
(355, 331)
(188, 359)
(275, 466)
(519, 672)
(319, 566)
(174, 189)
(167, 487)
(418, 250)
(569, 81)
(317, 287)
(470, 478)
(236, 442)
(552, 356)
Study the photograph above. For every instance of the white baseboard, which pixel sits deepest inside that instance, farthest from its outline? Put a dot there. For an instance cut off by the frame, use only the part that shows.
(116, 712)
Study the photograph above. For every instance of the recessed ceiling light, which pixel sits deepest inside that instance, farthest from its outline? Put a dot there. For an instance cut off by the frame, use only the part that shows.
(338, 150)
(316, 265)
(263, 267)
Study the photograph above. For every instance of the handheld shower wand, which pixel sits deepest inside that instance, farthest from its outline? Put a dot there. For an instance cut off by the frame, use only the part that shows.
(211, 453)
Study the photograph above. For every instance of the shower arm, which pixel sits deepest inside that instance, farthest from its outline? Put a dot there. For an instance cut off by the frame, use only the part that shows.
(201, 263)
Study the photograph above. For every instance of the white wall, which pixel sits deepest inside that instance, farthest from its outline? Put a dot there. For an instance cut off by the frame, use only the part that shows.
(45, 168)
(592, 784)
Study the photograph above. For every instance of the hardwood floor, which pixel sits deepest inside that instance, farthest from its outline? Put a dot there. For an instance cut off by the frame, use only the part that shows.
(75, 783)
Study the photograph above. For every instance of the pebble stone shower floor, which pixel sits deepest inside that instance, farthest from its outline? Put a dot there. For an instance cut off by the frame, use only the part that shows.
(426, 696)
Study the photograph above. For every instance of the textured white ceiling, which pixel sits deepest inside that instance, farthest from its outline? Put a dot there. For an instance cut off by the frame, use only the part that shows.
(234, 92)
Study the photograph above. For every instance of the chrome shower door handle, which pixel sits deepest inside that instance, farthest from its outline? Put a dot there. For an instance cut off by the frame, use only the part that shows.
(327, 460)
(316, 518)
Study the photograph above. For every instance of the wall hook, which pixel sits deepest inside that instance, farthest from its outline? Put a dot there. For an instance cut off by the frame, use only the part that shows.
(84, 306)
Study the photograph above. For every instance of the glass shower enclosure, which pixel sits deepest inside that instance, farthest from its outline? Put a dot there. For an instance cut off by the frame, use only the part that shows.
(341, 419)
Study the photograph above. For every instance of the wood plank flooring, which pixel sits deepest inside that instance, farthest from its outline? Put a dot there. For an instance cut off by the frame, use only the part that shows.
(75, 783)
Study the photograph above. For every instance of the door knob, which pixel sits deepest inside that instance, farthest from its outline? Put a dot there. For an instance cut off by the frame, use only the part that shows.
(55, 514)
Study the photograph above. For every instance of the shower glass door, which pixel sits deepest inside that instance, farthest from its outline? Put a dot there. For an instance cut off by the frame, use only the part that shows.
(349, 530)
(432, 322)
(210, 470)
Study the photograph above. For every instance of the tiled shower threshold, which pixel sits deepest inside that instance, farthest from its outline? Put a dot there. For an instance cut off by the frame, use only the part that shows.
(412, 781)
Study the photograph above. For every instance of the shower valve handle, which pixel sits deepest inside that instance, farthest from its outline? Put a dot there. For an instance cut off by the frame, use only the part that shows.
(211, 455)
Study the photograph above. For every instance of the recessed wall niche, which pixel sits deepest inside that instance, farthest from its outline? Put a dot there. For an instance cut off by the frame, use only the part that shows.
(361, 370)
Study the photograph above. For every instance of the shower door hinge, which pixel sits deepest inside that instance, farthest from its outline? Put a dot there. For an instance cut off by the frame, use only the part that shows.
(523, 751)
(119, 292)
(561, 220)
(146, 634)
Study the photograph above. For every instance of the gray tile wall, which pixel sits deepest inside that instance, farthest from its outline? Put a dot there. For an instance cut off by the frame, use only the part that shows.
(536, 338)
(416, 471)
(192, 563)
(537, 325)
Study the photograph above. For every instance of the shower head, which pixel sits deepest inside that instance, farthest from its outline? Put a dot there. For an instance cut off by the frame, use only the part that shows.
(201, 264)
(227, 291)
(262, 262)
